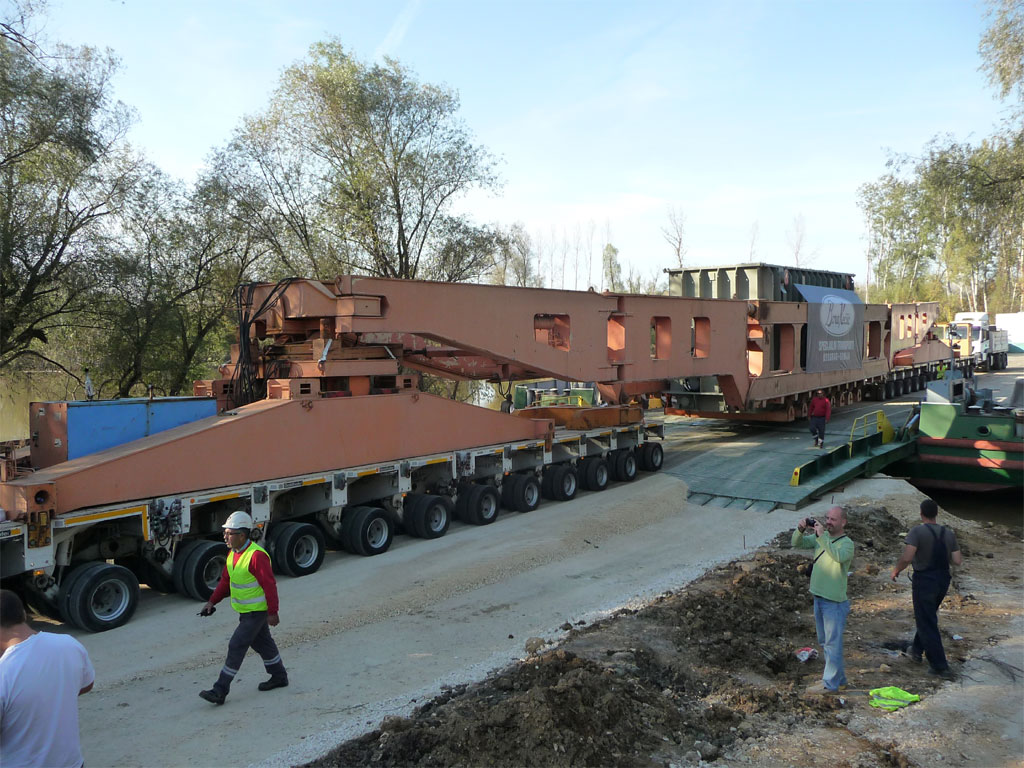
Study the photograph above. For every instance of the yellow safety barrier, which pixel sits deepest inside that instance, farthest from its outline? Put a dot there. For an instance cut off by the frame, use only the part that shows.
(873, 422)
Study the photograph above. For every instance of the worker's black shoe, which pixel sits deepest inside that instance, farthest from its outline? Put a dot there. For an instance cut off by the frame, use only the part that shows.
(945, 674)
(274, 682)
(212, 696)
(914, 657)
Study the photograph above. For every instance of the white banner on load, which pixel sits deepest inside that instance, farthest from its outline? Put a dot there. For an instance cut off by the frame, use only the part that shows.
(835, 329)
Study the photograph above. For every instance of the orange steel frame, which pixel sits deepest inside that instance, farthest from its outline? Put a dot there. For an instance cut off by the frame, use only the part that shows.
(331, 356)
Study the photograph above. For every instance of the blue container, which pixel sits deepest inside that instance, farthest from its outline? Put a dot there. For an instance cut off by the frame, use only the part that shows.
(68, 430)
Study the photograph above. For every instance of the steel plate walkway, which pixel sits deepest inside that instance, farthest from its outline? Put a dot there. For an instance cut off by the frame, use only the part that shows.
(781, 468)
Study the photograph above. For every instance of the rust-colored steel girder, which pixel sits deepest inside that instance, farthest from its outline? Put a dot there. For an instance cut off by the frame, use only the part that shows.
(630, 344)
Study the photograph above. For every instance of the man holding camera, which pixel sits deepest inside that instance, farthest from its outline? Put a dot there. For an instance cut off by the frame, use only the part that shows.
(833, 555)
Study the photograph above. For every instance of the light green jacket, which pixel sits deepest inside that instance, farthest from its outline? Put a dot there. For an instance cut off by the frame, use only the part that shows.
(832, 560)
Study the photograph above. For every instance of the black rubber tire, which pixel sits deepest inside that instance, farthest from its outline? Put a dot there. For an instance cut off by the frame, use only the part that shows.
(565, 482)
(181, 553)
(889, 390)
(508, 491)
(67, 584)
(482, 504)
(103, 597)
(595, 473)
(370, 531)
(546, 483)
(203, 569)
(624, 466)
(652, 456)
(300, 548)
(521, 493)
(431, 516)
(270, 544)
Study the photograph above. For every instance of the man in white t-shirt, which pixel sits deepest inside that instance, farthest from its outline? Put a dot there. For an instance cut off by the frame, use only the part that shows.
(41, 677)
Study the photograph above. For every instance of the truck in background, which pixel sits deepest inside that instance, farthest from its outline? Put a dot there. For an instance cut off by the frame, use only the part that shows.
(978, 341)
(1013, 324)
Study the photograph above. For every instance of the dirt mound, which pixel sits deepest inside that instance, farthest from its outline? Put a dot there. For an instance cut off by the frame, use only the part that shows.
(694, 673)
(555, 709)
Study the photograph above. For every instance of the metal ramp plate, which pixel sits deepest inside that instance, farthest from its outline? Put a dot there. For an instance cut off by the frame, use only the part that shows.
(759, 468)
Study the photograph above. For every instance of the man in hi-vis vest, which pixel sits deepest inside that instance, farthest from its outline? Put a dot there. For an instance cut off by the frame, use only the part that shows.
(249, 579)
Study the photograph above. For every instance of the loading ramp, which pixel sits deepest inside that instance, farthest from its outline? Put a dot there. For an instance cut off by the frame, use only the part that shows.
(781, 468)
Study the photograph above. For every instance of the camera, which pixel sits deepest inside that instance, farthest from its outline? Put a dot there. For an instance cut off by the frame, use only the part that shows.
(810, 522)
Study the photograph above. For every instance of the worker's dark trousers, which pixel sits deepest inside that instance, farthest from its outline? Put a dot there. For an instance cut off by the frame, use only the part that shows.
(252, 632)
(929, 589)
(818, 427)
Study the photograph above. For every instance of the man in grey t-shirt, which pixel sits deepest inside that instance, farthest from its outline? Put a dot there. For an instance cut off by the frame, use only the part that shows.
(931, 548)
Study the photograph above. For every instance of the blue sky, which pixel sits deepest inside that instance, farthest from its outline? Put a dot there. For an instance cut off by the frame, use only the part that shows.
(603, 114)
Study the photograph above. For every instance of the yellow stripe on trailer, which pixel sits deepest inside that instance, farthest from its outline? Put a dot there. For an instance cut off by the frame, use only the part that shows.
(366, 472)
(130, 511)
(315, 481)
(437, 461)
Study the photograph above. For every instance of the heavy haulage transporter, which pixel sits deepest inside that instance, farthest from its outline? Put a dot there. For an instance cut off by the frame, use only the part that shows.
(319, 429)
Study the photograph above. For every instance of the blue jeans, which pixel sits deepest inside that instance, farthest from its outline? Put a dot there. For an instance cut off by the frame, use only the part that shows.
(830, 620)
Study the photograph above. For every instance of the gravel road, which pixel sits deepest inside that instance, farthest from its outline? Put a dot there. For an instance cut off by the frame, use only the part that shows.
(366, 637)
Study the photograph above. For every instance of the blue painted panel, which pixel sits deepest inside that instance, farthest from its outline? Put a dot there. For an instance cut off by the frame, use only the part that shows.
(100, 424)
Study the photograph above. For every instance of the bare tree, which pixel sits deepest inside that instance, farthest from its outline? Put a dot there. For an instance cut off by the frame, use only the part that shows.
(796, 237)
(675, 234)
(755, 231)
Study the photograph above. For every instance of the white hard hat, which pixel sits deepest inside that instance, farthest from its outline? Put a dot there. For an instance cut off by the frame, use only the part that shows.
(238, 520)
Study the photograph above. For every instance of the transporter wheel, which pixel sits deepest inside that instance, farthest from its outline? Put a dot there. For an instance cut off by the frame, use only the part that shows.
(67, 586)
(595, 473)
(370, 531)
(652, 456)
(203, 568)
(520, 493)
(181, 553)
(564, 482)
(430, 516)
(888, 390)
(300, 548)
(480, 504)
(547, 483)
(623, 465)
(103, 597)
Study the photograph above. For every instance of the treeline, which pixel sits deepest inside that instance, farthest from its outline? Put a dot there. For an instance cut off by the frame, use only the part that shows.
(948, 224)
(109, 265)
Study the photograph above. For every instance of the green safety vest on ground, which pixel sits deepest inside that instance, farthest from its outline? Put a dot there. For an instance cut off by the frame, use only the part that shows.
(247, 595)
(891, 698)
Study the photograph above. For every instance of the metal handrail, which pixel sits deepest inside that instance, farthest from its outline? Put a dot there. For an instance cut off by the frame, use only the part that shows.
(876, 421)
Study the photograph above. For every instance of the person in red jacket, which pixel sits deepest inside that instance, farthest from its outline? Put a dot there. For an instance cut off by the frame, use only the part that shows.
(820, 412)
(248, 578)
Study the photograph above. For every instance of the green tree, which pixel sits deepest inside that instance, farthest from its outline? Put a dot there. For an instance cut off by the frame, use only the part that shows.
(171, 265)
(514, 263)
(62, 171)
(1002, 49)
(611, 269)
(357, 167)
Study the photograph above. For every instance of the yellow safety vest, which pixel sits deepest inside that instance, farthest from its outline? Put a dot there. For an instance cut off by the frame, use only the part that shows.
(247, 595)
